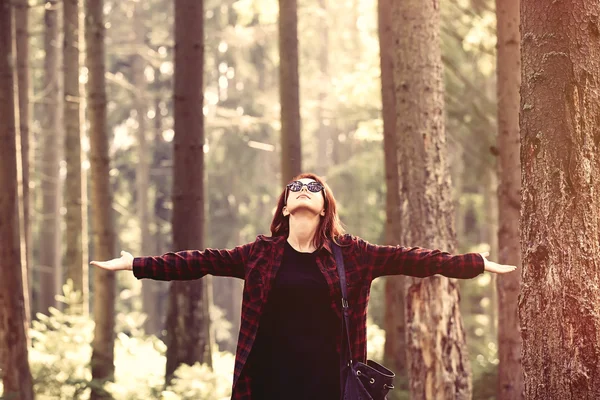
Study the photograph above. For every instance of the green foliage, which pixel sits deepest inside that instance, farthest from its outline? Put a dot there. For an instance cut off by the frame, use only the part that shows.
(200, 382)
(61, 351)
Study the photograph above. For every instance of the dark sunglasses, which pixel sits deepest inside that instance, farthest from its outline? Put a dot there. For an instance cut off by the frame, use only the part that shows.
(296, 186)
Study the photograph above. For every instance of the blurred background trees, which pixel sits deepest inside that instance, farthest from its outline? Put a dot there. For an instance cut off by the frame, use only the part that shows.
(326, 105)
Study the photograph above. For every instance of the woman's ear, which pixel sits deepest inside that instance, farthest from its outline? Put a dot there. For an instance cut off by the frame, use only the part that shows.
(323, 213)
(285, 212)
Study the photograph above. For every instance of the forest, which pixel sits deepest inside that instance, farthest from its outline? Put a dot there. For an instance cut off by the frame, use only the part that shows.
(155, 126)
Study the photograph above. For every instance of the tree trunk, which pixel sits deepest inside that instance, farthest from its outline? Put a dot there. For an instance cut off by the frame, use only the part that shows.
(188, 335)
(291, 154)
(395, 340)
(153, 292)
(510, 373)
(142, 173)
(102, 217)
(323, 115)
(16, 376)
(560, 233)
(21, 9)
(438, 363)
(76, 267)
(50, 243)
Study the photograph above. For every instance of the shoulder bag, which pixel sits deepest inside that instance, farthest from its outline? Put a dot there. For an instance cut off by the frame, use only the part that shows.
(358, 381)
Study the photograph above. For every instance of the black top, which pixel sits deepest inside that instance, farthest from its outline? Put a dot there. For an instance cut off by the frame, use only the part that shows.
(294, 355)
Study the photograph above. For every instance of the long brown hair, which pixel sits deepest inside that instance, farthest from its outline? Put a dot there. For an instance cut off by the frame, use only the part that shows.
(330, 226)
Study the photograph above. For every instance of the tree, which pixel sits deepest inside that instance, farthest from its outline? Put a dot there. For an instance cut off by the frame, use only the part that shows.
(188, 323)
(560, 234)
(510, 375)
(76, 267)
(436, 352)
(394, 324)
(289, 92)
(50, 247)
(16, 376)
(142, 172)
(21, 9)
(101, 196)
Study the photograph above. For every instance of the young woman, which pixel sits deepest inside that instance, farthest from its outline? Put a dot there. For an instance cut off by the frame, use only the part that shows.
(290, 335)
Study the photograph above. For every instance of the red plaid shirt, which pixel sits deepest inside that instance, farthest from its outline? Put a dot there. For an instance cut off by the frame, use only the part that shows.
(257, 263)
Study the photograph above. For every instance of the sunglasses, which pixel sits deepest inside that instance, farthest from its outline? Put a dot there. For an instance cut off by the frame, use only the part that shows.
(297, 186)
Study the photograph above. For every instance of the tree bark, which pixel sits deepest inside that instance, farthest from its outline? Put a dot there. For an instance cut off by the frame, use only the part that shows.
(76, 266)
(188, 323)
(560, 233)
(21, 19)
(50, 245)
(510, 373)
(16, 376)
(291, 149)
(438, 363)
(394, 324)
(103, 230)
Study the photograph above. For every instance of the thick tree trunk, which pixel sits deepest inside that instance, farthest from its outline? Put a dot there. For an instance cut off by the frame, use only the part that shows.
(510, 373)
(394, 324)
(76, 267)
(16, 376)
(188, 322)
(21, 9)
(291, 154)
(438, 364)
(560, 230)
(50, 243)
(102, 217)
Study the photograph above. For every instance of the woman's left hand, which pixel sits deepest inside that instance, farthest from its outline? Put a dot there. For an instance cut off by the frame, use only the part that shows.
(496, 268)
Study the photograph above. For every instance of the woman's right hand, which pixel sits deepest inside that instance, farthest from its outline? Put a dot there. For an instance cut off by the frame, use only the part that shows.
(125, 262)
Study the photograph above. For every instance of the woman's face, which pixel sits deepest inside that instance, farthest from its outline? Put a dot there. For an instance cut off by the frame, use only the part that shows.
(305, 200)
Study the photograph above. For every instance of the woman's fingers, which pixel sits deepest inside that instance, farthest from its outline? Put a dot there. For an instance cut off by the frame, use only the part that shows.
(116, 264)
(501, 268)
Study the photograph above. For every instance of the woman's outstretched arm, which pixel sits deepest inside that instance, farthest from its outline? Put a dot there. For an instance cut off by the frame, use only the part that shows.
(421, 262)
(183, 265)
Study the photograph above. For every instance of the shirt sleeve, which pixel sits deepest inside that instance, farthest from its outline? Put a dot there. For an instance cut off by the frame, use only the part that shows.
(193, 264)
(419, 262)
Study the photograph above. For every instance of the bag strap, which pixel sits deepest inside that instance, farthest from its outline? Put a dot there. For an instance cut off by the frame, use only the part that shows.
(339, 261)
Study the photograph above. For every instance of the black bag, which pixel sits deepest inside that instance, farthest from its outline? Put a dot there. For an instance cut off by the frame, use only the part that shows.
(358, 381)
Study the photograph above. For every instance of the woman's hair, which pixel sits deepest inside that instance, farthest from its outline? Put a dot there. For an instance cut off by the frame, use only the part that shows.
(329, 227)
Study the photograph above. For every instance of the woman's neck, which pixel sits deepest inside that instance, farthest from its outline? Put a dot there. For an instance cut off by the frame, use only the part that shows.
(303, 229)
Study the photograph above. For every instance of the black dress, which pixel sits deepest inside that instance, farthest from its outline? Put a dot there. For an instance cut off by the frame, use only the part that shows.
(294, 355)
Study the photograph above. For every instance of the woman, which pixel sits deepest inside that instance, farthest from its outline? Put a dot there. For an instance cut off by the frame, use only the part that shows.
(290, 335)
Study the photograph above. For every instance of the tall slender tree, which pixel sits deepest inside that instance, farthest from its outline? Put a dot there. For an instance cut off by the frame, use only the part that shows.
(188, 323)
(103, 230)
(323, 115)
(560, 233)
(50, 246)
(21, 8)
(76, 268)
(395, 340)
(16, 376)
(289, 90)
(436, 352)
(510, 373)
(142, 171)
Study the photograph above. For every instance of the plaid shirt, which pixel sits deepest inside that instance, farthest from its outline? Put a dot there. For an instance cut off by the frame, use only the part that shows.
(257, 263)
